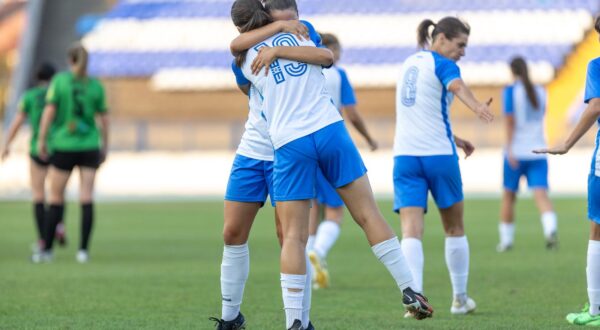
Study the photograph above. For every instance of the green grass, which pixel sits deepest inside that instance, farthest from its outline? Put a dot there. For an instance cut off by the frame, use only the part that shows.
(156, 266)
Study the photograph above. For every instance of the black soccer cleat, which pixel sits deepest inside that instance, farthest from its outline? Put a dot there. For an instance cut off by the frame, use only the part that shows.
(552, 242)
(310, 326)
(236, 324)
(416, 304)
(297, 325)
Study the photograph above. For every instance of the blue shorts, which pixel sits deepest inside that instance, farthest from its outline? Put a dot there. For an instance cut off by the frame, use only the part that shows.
(329, 149)
(536, 172)
(326, 194)
(594, 198)
(414, 176)
(250, 181)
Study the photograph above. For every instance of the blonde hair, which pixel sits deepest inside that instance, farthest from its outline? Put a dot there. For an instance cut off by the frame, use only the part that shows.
(78, 58)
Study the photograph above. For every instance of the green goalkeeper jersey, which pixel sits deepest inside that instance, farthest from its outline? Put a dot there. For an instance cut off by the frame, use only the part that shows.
(32, 105)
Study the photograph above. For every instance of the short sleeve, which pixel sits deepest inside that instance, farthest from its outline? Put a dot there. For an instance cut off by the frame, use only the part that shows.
(347, 98)
(507, 100)
(445, 69)
(592, 82)
(312, 33)
(101, 99)
(240, 79)
(53, 90)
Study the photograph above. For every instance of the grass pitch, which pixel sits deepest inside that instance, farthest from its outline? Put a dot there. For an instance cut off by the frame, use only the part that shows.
(156, 266)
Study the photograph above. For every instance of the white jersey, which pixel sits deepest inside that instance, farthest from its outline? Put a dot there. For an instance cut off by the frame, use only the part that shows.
(529, 121)
(255, 142)
(294, 98)
(422, 106)
(339, 87)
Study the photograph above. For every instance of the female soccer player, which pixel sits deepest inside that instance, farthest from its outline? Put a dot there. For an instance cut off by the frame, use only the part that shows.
(323, 236)
(302, 123)
(31, 107)
(425, 149)
(524, 108)
(590, 315)
(249, 183)
(74, 102)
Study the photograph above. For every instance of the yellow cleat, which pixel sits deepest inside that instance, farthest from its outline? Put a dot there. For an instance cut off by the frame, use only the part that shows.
(321, 275)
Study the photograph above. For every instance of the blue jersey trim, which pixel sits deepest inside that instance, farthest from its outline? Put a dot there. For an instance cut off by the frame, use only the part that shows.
(347, 97)
(312, 33)
(240, 79)
(508, 101)
(447, 121)
(445, 69)
(592, 84)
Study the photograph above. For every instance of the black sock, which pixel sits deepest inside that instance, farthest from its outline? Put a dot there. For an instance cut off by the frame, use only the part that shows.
(39, 212)
(87, 220)
(54, 215)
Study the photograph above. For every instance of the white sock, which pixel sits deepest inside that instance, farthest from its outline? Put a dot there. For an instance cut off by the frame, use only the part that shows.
(412, 249)
(310, 243)
(593, 276)
(390, 254)
(307, 295)
(507, 233)
(327, 234)
(292, 300)
(234, 273)
(549, 223)
(457, 260)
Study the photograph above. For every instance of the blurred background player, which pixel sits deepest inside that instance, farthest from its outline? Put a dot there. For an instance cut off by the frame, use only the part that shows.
(323, 236)
(31, 107)
(425, 150)
(301, 121)
(590, 315)
(525, 109)
(75, 124)
(249, 184)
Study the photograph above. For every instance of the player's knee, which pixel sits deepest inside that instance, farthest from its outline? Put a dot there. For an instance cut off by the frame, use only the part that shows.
(234, 235)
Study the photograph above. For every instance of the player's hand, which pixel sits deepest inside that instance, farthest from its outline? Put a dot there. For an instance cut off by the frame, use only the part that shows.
(296, 28)
(42, 150)
(557, 150)
(466, 146)
(512, 161)
(483, 111)
(373, 145)
(264, 58)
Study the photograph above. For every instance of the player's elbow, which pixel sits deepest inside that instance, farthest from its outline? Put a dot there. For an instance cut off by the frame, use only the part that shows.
(327, 58)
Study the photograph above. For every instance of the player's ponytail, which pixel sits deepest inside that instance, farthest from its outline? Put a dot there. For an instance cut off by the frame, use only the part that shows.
(518, 66)
(78, 58)
(423, 37)
(248, 15)
(597, 25)
(450, 26)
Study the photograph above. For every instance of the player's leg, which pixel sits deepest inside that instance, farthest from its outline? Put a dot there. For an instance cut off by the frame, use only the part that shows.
(294, 223)
(58, 176)
(87, 177)
(246, 192)
(506, 228)
(537, 179)
(590, 315)
(38, 173)
(294, 172)
(445, 182)
(313, 224)
(88, 163)
(328, 230)
(343, 167)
